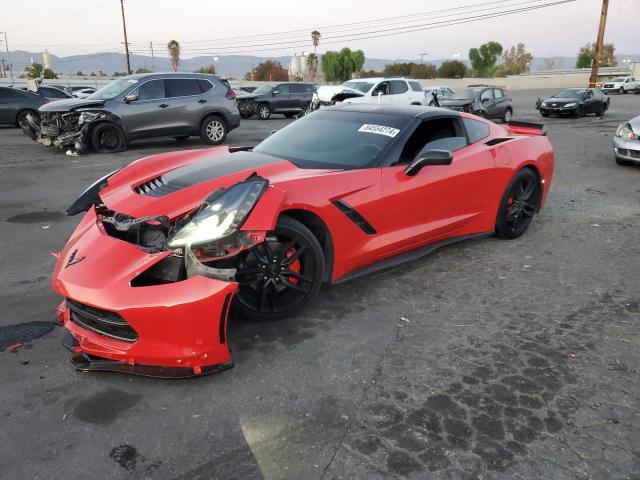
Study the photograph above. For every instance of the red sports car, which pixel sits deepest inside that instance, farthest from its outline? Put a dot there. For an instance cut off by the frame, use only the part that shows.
(173, 241)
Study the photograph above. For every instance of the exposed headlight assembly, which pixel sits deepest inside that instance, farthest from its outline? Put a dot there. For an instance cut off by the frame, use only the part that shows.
(222, 213)
(570, 105)
(88, 117)
(625, 131)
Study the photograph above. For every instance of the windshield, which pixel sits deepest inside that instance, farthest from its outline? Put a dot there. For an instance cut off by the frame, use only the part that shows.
(262, 90)
(334, 139)
(363, 87)
(619, 79)
(466, 94)
(112, 90)
(571, 93)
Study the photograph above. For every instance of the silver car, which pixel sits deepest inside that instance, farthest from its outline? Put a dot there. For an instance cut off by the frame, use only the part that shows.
(626, 142)
(176, 105)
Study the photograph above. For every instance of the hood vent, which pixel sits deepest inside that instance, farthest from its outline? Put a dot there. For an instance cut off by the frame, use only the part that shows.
(157, 187)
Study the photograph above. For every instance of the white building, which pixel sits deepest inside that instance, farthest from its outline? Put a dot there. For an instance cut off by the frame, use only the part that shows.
(298, 66)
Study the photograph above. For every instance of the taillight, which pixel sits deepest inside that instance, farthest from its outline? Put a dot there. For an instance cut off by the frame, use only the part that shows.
(45, 101)
(230, 95)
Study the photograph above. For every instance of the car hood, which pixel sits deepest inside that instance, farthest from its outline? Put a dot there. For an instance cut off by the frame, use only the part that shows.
(69, 104)
(561, 101)
(456, 103)
(175, 183)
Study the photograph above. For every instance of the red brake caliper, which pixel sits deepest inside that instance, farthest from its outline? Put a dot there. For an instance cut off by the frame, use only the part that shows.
(295, 266)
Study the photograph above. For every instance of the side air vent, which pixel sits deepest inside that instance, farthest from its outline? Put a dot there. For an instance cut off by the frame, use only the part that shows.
(157, 187)
(355, 217)
(496, 141)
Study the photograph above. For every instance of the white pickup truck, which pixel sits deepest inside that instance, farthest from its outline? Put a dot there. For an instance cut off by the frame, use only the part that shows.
(621, 85)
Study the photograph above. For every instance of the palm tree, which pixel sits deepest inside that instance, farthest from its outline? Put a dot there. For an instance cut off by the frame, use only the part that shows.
(174, 52)
(315, 38)
(312, 65)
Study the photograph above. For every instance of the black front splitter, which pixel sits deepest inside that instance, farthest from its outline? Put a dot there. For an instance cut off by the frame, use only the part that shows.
(84, 362)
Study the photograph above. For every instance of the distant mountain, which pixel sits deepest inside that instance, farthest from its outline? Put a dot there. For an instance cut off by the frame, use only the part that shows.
(229, 65)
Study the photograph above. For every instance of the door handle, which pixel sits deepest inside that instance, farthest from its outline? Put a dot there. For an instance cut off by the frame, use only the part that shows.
(202, 100)
(163, 105)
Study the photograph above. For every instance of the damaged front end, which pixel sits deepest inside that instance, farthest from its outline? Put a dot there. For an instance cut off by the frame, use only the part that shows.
(65, 130)
(169, 281)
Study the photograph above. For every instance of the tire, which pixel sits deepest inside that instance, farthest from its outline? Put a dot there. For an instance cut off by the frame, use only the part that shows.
(518, 205)
(107, 137)
(213, 130)
(507, 116)
(245, 115)
(577, 113)
(544, 114)
(181, 138)
(623, 162)
(263, 112)
(621, 90)
(21, 117)
(289, 115)
(601, 110)
(264, 292)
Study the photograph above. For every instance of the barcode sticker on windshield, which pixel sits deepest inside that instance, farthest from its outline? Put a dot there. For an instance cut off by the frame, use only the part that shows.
(379, 129)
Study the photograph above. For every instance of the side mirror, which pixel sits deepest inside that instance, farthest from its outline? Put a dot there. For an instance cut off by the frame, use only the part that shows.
(132, 97)
(431, 157)
(275, 92)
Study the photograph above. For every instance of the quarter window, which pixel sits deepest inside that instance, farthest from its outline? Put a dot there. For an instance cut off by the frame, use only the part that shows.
(153, 89)
(205, 85)
(182, 87)
(475, 129)
(497, 93)
(297, 88)
(415, 86)
(398, 87)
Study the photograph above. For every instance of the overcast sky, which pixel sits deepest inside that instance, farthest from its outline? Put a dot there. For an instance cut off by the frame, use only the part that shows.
(75, 26)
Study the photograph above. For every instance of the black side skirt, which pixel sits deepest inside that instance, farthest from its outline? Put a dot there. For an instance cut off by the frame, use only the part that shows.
(407, 257)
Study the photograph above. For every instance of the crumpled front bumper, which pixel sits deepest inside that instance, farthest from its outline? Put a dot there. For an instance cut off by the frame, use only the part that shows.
(180, 327)
(628, 150)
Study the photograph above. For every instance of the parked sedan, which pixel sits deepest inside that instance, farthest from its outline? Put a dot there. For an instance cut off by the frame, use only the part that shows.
(626, 142)
(575, 102)
(483, 100)
(83, 92)
(178, 105)
(16, 104)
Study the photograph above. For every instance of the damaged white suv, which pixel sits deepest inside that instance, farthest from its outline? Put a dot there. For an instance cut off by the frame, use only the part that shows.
(396, 91)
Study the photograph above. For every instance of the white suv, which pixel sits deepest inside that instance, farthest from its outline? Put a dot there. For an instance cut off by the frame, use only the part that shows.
(620, 85)
(397, 91)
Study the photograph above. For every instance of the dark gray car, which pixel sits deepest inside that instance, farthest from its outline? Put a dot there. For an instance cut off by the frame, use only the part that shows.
(16, 103)
(177, 105)
(483, 100)
(288, 98)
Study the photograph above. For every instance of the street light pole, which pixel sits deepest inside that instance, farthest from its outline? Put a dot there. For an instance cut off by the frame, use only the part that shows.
(6, 46)
(599, 42)
(126, 43)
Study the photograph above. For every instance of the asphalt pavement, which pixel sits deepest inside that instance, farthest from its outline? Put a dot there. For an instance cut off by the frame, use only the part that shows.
(489, 359)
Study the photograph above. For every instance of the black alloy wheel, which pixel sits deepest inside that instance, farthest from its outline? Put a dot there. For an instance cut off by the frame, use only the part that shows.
(107, 138)
(518, 206)
(280, 275)
(21, 118)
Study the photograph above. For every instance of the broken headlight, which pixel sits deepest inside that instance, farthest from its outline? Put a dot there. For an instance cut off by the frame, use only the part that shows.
(222, 213)
(625, 131)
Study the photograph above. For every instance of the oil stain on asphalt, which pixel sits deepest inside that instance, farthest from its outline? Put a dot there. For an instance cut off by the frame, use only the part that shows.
(104, 407)
(24, 332)
(37, 217)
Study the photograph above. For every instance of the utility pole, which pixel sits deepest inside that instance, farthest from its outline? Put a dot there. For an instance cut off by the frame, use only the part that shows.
(9, 64)
(422, 55)
(126, 42)
(600, 40)
(4, 72)
(153, 59)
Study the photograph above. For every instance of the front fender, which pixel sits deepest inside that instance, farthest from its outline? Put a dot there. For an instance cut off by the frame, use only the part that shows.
(264, 215)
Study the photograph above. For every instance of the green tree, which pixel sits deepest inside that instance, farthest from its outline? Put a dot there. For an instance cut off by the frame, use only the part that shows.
(587, 54)
(370, 74)
(48, 74)
(397, 69)
(516, 60)
(143, 70)
(452, 69)
(35, 70)
(174, 54)
(119, 74)
(423, 70)
(79, 73)
(269, 71)
(340, 66)
(210, 69)
(484, 59)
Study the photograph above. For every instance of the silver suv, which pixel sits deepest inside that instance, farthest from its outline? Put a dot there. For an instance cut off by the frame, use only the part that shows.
(176, 105)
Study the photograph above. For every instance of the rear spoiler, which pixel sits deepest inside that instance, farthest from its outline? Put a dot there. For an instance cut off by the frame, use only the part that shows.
(526, 128)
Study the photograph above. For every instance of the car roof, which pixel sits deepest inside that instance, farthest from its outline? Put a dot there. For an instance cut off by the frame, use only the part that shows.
(379, 79)
(415, 111)
(139, 76)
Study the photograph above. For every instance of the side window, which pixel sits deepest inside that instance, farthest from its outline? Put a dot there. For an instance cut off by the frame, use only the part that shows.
(205, 85)
(282, 89)
(497, 93)
(382, 87)
(182, 87)
(486, 95)
(152, 90)
(398, 87)
(415, 86)
(297, 88)
(475, 129)
(310, 88)
(53, 93)
(436, 134)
